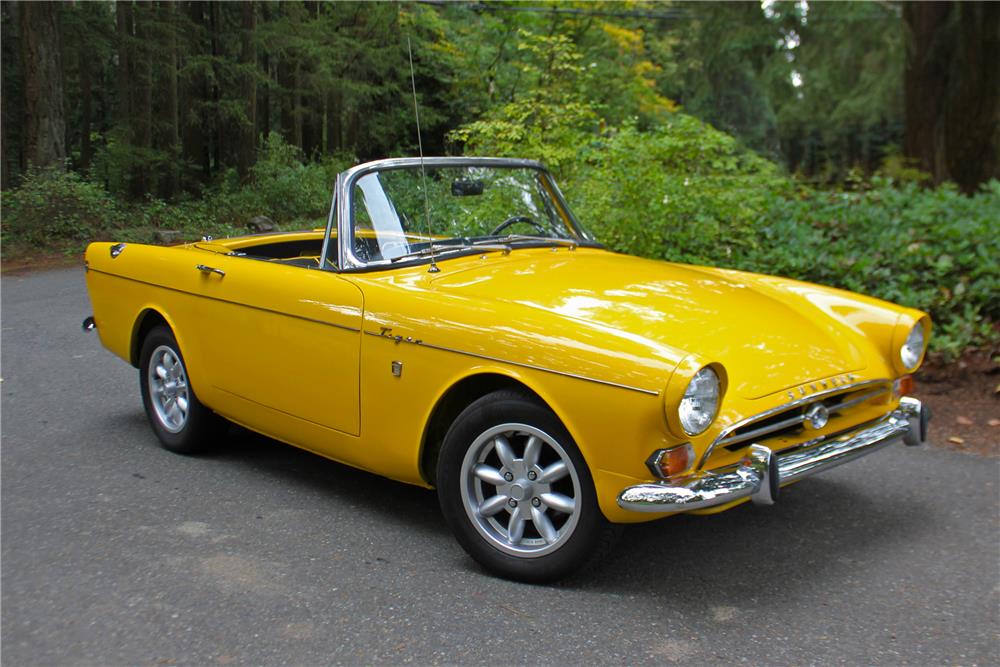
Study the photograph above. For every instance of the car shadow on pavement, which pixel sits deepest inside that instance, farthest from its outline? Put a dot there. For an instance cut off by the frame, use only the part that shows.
(822, 528)
(386, 500)
(822, 531)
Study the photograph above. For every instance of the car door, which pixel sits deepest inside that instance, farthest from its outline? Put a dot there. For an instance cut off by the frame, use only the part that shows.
(284, 343)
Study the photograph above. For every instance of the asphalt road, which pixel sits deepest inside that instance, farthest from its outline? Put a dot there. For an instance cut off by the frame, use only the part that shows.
(118, 552)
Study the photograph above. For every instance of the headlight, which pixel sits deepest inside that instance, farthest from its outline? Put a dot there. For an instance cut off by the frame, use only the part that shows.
(700, 403)
(913, 348)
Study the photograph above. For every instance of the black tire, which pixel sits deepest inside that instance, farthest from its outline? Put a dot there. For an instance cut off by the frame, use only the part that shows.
(474, 481)
(188, 431)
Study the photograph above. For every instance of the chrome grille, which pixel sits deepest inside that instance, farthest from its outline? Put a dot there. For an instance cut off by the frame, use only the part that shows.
(788, 420)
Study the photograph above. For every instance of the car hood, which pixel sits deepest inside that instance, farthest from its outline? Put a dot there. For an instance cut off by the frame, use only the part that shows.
(767, 341)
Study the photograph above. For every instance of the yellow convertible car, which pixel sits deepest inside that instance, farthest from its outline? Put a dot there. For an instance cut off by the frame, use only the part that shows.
(455, 327)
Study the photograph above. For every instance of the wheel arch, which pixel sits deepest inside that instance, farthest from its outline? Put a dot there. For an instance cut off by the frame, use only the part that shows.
(147, 319)
(451, 403)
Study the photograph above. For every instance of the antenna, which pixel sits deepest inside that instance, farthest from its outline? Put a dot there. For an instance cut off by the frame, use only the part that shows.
(423, 173)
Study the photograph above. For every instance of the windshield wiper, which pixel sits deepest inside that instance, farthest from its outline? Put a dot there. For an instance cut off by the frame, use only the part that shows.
(573, 244)
(441, 248)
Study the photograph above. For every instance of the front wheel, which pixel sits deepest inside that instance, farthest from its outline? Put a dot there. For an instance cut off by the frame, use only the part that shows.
(516, 492)
(177, 417)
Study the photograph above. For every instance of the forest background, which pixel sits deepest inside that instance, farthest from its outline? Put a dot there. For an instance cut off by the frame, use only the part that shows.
(851, 144)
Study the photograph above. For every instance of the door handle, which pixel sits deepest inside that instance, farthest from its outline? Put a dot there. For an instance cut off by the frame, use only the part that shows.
(210, 269)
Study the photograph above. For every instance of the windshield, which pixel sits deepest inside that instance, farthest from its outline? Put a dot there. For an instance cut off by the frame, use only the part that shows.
(467, 208)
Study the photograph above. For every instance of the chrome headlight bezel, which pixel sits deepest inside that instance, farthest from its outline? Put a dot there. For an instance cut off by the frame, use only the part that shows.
(699, 406)
(912, 350)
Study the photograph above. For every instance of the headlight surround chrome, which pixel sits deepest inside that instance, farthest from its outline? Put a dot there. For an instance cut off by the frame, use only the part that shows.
(912, 350)
(700, 403)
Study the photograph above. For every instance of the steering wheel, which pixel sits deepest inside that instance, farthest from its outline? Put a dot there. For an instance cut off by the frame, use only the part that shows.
(514, 219)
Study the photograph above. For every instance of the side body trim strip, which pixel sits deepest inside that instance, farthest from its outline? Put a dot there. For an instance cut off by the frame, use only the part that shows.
(476, 355)
(233, 303)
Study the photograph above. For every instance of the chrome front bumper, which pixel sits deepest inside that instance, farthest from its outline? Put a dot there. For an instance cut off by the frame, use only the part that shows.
(762, 472)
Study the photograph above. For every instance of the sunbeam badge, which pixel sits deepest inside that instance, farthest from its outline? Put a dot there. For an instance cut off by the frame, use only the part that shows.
(817, 416)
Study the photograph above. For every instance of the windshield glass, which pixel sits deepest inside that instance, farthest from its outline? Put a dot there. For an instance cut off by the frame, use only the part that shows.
(467, 208)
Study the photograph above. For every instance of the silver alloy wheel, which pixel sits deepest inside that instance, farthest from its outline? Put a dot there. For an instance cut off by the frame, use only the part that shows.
(168, 388)
(521, 490)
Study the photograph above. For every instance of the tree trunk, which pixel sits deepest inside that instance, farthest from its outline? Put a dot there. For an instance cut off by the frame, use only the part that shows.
(169, 116)
(142, 102)
(925, 84)
(194, 142)
(297, 110)
(264, 92)
(351, 135)
(334, 121)
(247, 147)
(286, 91)
(312, 126)
(86, 93)
(44, 117)
(952, 91)
(215, 22)
(264, 99)
(972, 127)
(12, 99)
(123, 17)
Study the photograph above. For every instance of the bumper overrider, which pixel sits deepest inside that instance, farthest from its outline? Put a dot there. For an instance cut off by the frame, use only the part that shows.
(763, 472)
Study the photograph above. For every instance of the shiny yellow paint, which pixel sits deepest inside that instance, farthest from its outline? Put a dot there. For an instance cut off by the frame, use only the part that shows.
(609, 342)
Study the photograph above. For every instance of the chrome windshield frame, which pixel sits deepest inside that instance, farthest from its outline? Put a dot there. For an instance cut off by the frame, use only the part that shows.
(340, 211)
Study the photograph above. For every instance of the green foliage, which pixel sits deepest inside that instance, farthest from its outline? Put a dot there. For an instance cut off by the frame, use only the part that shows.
(847, 109)
(725, 60)
(54, 206)
(285, 188)
(930, 249)
(550, 119)
(681, 191)
(282, 187)
(900, 169)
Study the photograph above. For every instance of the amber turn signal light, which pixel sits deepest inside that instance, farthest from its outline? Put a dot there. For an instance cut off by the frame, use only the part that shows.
(666, 463)
(904, 385)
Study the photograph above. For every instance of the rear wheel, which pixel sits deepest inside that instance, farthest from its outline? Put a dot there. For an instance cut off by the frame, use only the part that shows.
(175, 414)
(516, 492)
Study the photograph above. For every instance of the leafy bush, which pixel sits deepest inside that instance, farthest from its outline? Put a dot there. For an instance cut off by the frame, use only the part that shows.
(281, 187)
(53, 206)
(930, 249)
(284, 188)
(682, 191)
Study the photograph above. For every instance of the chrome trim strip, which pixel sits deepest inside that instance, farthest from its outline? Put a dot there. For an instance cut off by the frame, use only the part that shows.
(476, 355)
(763, 430)
(756, 477)
(785, 406)
(402, 162)
(331, 220)
(858, 400)
(233, 303)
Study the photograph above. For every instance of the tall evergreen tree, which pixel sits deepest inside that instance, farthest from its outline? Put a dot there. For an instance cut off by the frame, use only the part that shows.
(41, 61)
(952, 89)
